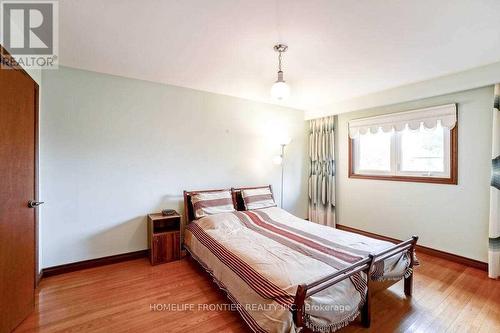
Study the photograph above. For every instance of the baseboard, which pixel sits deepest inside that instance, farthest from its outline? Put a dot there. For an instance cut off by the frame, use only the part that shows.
(422, 249)
(76, 266)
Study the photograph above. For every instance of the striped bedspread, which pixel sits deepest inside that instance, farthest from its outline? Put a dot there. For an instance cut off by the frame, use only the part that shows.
(260, 257)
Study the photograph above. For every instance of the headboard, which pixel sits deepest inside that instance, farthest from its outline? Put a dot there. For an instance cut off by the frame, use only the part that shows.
(238, 199)
(188, 205)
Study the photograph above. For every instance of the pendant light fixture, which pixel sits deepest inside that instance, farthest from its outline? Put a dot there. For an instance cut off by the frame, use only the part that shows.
(280, 90)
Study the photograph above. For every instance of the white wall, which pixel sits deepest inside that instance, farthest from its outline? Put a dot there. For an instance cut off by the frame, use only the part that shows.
(115, 149)
(451, 218)
(474, 78)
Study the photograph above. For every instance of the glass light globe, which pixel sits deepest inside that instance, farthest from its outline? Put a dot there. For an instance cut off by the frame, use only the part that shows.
(280, 90)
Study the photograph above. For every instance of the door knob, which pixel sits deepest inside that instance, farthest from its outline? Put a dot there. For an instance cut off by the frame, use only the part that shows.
(33, 203)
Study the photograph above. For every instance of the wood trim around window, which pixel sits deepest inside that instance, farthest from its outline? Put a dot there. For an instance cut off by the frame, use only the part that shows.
(452, 180)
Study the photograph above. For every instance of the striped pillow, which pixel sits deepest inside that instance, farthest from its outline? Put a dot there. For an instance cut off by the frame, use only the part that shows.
(258, 198)
(209, 203)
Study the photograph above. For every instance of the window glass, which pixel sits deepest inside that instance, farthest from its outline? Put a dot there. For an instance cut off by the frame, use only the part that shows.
(375, 151)
(423, 150)
(409, 153)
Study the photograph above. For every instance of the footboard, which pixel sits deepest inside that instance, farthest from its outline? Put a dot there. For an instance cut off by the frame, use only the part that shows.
(365, 265)
(306, 290)
(408, 245)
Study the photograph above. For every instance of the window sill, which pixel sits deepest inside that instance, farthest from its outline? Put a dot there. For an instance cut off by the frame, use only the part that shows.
(432, 180)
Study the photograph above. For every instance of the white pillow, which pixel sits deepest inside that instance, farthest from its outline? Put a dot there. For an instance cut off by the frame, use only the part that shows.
(258, 198)
(209, 203)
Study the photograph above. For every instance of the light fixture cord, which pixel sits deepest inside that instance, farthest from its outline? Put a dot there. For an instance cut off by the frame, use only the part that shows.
(279, 61)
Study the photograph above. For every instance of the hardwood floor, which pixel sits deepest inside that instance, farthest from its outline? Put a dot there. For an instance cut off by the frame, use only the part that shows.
(118, 298)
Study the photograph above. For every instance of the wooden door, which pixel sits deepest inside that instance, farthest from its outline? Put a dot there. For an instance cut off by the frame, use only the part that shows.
(18, 148)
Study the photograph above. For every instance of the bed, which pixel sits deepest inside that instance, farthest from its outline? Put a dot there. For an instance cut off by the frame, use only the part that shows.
(286, 274)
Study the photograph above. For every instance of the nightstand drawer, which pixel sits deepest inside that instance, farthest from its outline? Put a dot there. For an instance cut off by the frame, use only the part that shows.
(166, 247)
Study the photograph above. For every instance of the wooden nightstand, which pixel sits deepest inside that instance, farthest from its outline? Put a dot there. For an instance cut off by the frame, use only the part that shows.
(164, 238)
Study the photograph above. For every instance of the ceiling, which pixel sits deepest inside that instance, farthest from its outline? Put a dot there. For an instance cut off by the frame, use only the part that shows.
(338, 49)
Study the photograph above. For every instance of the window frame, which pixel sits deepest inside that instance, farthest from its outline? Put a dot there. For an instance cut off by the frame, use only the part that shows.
(407, 176)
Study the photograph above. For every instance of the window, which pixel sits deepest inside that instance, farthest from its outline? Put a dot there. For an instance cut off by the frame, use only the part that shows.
(374, 153)
(404, 151)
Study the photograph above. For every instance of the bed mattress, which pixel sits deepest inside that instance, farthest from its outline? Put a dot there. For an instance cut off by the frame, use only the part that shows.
(260, 257)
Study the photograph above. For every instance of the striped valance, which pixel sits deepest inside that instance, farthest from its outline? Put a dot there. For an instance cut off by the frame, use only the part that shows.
(429, 117)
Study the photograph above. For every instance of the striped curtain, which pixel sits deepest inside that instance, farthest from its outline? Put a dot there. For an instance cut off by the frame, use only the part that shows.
(494, 234)
(322, 173)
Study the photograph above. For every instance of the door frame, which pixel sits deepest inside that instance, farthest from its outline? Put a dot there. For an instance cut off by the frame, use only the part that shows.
(5, 55)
